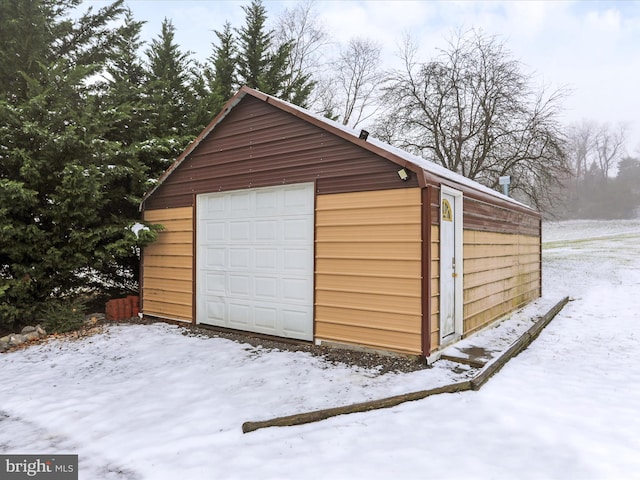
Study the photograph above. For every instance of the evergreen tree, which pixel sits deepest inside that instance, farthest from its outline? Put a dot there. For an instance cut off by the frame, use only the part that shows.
(264, 65)
(61, 227)
(168, 86)
(253, 57)
(221, 75)
(125, 114)
(203, 102)
(172, 101)
(124, 99)
(627, 186)
(22, 52)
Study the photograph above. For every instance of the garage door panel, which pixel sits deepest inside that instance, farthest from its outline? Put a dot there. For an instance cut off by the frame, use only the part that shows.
(240, 231)
(296, 260)
(216, 311)
(239, 203)
(215, 231)
(255, 260)
(295, 229)
(295, 290)
(214, 207)
(239, 315)
(266, 259)
(297, 201)
(266, 319)
(240, 286)
(216, 284)
(267, 202)
(215, 258)
(240, 258)
(266, 230)
(266, 288)
(292, 319)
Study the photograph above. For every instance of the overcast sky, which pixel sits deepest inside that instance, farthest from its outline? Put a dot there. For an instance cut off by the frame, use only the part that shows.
(591, 47)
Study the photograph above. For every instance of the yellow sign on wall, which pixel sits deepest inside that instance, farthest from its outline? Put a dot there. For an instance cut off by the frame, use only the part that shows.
(447, 213)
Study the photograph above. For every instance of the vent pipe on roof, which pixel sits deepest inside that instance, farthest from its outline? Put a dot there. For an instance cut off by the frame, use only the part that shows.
(505, 182)
(363, 135)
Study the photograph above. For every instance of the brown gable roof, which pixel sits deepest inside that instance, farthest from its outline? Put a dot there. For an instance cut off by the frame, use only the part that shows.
(426, 171)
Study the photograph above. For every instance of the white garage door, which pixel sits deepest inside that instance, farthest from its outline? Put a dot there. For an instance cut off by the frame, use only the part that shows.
(255, 260)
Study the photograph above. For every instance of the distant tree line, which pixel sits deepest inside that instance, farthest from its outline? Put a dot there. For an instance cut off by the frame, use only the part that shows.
(603, 181)
(91, 116)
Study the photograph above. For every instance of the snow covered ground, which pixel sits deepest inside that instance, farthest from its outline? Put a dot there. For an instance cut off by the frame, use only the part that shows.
(148, 402)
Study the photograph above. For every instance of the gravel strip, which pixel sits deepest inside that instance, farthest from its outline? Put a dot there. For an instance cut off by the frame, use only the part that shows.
(378, 363)
(381, 363)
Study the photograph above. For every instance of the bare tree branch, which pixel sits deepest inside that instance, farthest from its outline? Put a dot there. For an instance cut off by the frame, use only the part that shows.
(473, 110)
(609, 146)
(300, 28)
(350, 95)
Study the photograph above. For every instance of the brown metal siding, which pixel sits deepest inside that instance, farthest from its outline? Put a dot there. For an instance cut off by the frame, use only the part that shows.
(484, 213)
(259, 145)
(483, 216)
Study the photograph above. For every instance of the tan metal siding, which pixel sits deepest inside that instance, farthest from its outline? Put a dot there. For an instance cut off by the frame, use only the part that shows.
(259, 145)
(167, 274)
(501, 273)
(368, 269)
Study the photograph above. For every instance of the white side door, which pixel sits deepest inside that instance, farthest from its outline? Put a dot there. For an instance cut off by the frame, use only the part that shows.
(450, 265)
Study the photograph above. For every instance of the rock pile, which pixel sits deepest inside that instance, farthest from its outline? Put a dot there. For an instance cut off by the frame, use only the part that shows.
(32, 334)
(27, 334)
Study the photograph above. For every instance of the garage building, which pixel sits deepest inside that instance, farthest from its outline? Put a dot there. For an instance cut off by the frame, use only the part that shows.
(281, 222)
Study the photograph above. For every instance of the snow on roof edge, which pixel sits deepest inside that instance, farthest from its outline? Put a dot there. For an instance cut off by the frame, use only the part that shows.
(419, 162)
(416, 160)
